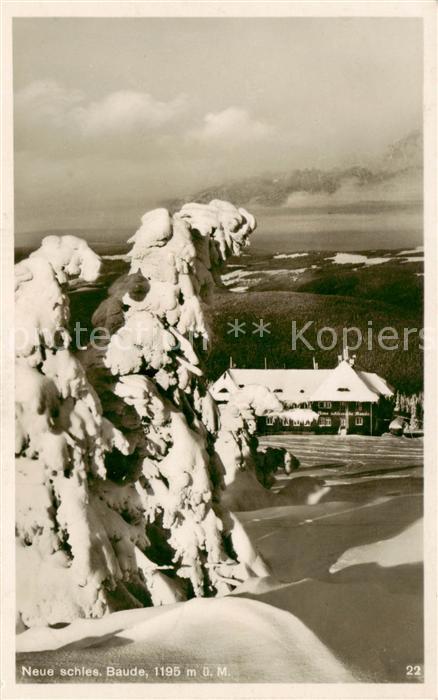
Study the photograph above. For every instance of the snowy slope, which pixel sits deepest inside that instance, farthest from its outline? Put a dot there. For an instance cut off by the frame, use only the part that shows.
(267, 644)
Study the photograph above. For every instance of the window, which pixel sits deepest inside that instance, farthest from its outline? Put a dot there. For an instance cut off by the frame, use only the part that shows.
(343, 388)
(359, 406)
(223, 391)
(324, 404)
(270, 420)
(359, 420)
(325, 422)
(343, 422)
(285, 421)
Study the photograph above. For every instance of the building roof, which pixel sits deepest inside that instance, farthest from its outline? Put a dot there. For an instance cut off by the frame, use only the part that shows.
(299, 415)
(342, 383)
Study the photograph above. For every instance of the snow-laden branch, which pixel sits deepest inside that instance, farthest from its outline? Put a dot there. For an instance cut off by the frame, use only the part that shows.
(66, 558)
(119, 477)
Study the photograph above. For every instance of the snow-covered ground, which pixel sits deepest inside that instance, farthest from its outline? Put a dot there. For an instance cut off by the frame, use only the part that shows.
(413, 255)
(194, 635)
(304, 271)
(234, 276)
(251, 278)
(343, 602)
(239, 289)
(350, 565)
(355, 258)
(281, 256)
(116, 257)
(352, 451)
(418, 250)
(406, 256)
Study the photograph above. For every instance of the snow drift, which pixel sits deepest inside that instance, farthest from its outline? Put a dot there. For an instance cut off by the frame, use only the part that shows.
(269, 645)
(119, 465)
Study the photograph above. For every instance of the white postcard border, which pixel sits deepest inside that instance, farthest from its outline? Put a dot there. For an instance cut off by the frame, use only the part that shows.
(224, 8)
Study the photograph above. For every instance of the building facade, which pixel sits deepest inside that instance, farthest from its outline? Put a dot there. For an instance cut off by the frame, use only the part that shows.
(339, 400)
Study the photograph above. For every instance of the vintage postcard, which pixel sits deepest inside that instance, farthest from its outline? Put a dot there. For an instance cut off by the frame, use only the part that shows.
(219, 386)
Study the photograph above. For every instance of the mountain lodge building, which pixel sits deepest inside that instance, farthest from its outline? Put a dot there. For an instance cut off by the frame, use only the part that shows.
(339, 400)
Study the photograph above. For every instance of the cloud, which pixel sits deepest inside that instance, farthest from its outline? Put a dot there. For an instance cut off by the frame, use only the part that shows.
(231, 125)
(401, 187)
(46, 103)
(126, 110)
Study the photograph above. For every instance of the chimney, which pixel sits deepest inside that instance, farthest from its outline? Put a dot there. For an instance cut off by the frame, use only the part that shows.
(345, 355)
(315, 364)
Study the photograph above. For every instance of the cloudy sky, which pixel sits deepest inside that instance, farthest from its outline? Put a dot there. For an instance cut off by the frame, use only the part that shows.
(114, 116)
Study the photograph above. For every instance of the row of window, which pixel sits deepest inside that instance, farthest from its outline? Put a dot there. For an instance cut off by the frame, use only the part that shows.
(270, 420)
(329, 404)
(321, 404)
(324, 421)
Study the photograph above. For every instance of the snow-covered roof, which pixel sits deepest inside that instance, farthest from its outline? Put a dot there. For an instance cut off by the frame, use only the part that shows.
(376, 383)
(343, 383)
(397, 422)
(299, 415)
(291, 385)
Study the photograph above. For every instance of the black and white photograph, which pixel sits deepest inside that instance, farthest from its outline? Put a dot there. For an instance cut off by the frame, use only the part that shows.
(223, 378)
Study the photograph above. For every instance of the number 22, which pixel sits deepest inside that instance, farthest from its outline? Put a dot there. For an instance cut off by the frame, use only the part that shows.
(413, 671)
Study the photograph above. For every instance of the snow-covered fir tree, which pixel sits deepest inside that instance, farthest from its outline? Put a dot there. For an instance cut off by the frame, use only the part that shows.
(118, 475)
(67, 515)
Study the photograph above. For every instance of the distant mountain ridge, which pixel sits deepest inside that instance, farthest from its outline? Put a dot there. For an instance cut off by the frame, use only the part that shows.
(401, 161)
(406, 153)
